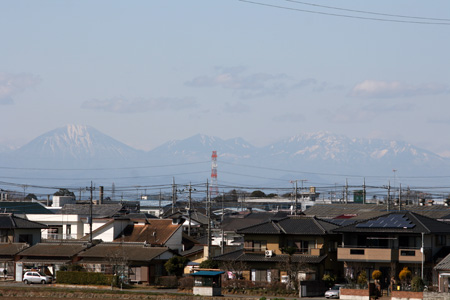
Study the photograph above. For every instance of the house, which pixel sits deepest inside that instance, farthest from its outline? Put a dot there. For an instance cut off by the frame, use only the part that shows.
(443, 274)
(14, 229)
(137, 262)
(48, 256)
(154, 232)
(265, 257)
(227, 234)
(392, 241)
(8, 252)
(73, 222)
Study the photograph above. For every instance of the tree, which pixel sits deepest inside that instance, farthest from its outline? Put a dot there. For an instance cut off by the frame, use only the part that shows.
(175, 265)
(404, 276)
(362, 279)
(376, 275)
(417, 284)
(209, 264)
(30, 197)
(292, 268)
(258, 194)
(64, 192)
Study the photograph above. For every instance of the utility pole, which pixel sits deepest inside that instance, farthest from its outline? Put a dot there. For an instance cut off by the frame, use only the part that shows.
(400, 197)
(91, 189)
(189, 209)
(364, 191)
(159, 207)
(346, 191)
(388, 195)
(174, 194)
(208, 211)
(296, 201)
(222, 248)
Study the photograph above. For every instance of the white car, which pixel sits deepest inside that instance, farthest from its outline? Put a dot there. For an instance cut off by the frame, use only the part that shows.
(36, 277)
(333, 292)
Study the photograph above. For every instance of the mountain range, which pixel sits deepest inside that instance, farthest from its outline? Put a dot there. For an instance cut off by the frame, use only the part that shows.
(74, 155)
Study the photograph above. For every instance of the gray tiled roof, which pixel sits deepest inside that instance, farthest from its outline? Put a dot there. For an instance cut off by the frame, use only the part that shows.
(54, 249)
(296, 225)
(195, 249)
(21, 208)
(9, 221)
(98, 211)
(236, 222)
(444, 264)
(129, 251)
(419, 224)
(240, 255)
(367, 211)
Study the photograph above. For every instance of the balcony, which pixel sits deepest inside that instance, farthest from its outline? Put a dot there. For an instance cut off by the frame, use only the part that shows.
(255, 249)
(413, 255)
(58, 236)
(363, 254)
(367, 254)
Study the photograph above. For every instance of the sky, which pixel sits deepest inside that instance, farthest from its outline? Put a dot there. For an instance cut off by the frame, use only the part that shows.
(147, 72)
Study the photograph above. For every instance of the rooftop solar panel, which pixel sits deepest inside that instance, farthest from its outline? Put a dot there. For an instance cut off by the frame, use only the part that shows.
(391, 221)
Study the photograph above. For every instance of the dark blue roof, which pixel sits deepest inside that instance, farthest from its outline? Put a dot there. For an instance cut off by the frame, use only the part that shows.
(207, 273)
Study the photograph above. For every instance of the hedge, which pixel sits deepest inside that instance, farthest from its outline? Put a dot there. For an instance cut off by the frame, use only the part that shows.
(85, 278)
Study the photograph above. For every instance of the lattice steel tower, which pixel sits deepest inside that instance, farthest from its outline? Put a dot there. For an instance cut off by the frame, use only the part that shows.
(214, 188)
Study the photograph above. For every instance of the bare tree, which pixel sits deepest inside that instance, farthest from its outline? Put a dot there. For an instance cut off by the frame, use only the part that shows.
(118, 262)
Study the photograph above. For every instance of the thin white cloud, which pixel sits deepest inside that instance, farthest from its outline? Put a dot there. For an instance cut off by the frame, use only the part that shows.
(122, 105)
(392, 89)
(13, 84)
(236, 108)
(291, 118)
(253, 85)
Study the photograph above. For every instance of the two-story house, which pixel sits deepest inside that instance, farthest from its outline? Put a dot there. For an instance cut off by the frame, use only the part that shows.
(264, 255)
(391, 242)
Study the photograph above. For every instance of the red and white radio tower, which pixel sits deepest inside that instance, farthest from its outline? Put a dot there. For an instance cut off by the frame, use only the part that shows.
(214, 189)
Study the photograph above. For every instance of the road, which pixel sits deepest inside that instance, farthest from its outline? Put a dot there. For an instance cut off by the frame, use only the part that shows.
(137, 289)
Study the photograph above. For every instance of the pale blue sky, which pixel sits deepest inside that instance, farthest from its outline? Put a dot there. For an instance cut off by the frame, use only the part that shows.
(146, 72)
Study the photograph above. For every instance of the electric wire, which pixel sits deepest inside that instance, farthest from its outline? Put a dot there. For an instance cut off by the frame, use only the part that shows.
(342, 15)
(366, 12)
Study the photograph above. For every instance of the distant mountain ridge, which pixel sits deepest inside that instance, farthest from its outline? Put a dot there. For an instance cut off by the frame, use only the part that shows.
(77, 146)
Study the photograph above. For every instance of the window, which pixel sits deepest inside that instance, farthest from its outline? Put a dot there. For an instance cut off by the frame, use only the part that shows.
(251, 245)
(357, 251)
(441, 240)
(26, 238)
(301, 245)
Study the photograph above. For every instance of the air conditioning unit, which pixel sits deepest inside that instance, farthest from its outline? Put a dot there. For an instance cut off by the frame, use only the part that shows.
(269, 253)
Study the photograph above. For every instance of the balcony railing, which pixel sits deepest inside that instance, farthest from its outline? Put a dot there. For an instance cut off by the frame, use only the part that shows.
(255, 249)
(307, 251)
(58, 236)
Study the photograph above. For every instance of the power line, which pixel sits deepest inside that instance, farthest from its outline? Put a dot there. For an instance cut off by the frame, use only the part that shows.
(344, 16)
(367, 12)
(104, 169)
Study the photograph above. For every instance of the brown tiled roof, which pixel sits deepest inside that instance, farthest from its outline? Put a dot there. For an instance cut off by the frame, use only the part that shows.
(54, 250)
(127, 251)
(11, 248)
(155, 232)
(240, 255)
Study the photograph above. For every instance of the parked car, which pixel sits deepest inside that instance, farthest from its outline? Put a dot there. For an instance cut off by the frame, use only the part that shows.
(333, 292)
(36, 277)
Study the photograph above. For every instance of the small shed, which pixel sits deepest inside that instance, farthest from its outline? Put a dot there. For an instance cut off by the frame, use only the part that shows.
(208, 283)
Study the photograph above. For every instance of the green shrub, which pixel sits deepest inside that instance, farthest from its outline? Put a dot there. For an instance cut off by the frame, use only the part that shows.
(362, 280)
(417, 284)
(167, 281)
(86, 278)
